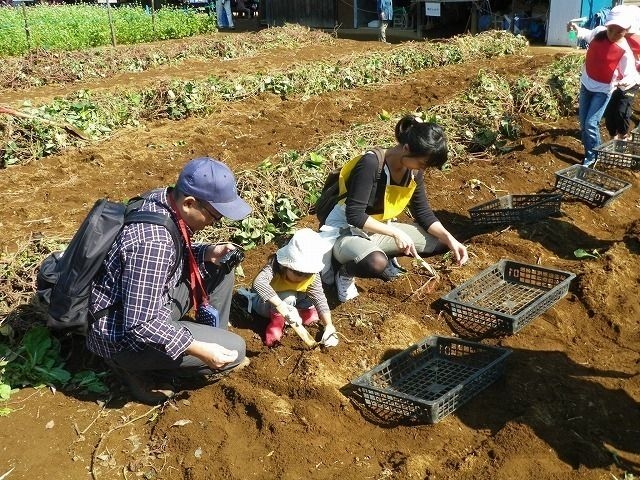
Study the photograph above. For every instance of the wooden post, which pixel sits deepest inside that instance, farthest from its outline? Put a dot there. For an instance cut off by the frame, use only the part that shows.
(113, 32)
(474, 18)
(153, 17)
(419, 18)
(26, 27)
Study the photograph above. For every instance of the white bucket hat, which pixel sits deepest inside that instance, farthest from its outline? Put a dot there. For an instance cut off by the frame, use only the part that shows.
(304, 252)
(620, 16)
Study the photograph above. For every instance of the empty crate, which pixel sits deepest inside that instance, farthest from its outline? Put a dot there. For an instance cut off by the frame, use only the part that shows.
(430, 379)
(618, 153)
(506, 296)
(512, 209)
(635, 134)
(592, 186)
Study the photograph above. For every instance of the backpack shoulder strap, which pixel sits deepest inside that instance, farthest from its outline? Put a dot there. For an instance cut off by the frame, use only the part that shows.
(379, 151)
(133, 215)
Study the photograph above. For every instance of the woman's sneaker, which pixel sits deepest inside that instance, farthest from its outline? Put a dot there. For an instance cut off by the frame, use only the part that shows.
(345, 286)
(393, 270)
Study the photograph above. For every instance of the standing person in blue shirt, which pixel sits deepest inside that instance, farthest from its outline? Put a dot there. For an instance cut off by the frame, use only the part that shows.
(385, 14)
(137, 306)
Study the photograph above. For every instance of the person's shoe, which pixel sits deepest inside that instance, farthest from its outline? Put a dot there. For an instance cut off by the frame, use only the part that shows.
(309, 315)
(393, 270)
(345, 286)
(142, 387)
(275, 329)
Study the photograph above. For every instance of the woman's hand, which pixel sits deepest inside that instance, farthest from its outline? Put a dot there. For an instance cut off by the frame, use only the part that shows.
(404, 243)
(214, 355)
(459, 251)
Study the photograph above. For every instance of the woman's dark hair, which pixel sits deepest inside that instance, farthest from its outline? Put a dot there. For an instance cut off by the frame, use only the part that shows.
(424, 139)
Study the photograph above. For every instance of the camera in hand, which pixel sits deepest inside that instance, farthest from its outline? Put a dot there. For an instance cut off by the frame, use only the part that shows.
(231, 259)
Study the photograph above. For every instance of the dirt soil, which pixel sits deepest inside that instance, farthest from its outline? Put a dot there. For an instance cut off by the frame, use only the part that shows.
(567, 406)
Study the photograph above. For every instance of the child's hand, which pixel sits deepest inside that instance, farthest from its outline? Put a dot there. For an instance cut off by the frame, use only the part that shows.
(329, 336)
(292, 316)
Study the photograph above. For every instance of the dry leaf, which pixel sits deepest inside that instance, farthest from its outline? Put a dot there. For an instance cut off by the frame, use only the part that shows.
(50, 424)
(198, 453)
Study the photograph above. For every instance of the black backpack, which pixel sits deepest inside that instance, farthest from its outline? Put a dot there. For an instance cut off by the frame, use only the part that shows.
(64, 279)
(329, 195)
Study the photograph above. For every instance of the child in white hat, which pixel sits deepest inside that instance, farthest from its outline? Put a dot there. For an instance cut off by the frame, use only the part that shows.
(289, 286)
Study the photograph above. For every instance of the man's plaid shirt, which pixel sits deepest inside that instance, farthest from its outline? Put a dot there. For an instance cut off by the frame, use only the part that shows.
(134, 283)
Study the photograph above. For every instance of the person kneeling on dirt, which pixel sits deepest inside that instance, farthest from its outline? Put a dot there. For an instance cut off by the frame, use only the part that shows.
(137, 306)
(289, 288)
(365, 236)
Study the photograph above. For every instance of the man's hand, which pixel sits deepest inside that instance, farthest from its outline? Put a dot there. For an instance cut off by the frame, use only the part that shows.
(214, 355)
(216, 252)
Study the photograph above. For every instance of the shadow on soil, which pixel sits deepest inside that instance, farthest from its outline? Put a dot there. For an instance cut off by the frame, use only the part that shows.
(586, 423)
(555, 234)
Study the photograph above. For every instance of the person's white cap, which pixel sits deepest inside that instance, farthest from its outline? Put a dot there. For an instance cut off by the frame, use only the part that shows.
(304, 252)
(634, 14)
(620, 16)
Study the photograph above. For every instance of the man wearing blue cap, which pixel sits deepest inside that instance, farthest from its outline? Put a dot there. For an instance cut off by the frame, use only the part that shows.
(137, 304)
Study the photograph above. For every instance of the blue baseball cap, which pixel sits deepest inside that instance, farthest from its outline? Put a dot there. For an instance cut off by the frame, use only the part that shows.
(211, 181)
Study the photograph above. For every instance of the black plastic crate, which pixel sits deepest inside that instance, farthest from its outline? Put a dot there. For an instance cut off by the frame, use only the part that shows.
(506, 296)
(635, 134)
(592, 186)
(430, 379)
(618, 153)
(512, 209)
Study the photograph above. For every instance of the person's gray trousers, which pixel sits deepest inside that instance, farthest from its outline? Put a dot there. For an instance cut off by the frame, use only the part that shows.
(221, 290)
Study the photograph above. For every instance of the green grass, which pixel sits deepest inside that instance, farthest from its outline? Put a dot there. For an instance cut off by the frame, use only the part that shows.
(76, 27)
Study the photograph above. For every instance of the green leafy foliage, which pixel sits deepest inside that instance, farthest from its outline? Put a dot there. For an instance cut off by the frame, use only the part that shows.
(582, 253)
(90, 381)
(36, 361)
(99, 114)
(74, 27)
(40, 67)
